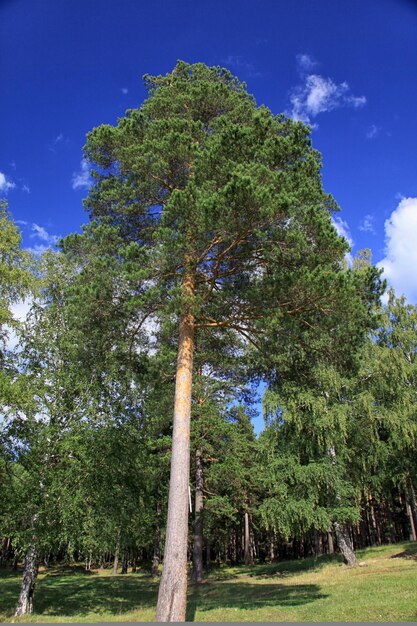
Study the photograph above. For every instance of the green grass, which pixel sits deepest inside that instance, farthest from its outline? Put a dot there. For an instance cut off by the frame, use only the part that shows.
(321, 589)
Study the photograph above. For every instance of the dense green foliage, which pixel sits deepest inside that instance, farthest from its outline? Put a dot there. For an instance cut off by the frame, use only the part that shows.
(209, 209)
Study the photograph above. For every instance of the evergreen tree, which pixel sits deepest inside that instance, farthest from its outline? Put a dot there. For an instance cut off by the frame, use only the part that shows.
(223, 207)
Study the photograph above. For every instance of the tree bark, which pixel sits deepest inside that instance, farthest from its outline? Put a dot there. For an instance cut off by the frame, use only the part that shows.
(248, 547)
(330, 544)
(156, 556)
(271, 546)
(345, 544)
(27, 590)
(197, 575)
(116, 555)
(343, 540)
(413, 506)
(124, 563)
(172, 597)
(413, 534)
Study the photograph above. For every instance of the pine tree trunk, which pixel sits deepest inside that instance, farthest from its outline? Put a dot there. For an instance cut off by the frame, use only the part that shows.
(197, 575)
(172, 598)
(27, 590)
(248, 547)
(345, 544)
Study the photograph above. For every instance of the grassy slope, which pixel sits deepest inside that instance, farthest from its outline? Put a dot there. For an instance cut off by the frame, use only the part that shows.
(306, 590)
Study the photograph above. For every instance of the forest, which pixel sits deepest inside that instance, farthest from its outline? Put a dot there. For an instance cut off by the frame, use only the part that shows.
(208, 284)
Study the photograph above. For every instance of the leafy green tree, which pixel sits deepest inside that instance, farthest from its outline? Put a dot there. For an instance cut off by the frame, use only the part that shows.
(16, 283)
(312, 390)
(386, 403)
(222, 208)
(17, 280)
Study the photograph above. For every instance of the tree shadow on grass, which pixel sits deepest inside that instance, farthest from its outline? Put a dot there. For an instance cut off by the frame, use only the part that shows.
(82, 594)
(292, 568)
(409, 553)
(9, 592)
(279, 569)
(67, 570)
(249, 596)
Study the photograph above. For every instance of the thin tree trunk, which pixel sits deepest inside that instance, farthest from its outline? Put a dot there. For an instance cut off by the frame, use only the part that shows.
(208, 555)
(248, 547)
(197, 575)
(413, 534)
(156, 556)
(27, 590)
(124, 563)
(271, 546)
(233, 554)
(330, 542)
(116, 555)
(345, 544)
(172, 598)
(413, 506)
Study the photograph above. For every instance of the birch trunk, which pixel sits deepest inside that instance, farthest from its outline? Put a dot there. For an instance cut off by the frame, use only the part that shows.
(413, 534)
(345, 544)
(248, 547)
(343, 540)
(413, 506)
(116, 555)
(172, 598)
(27, 590)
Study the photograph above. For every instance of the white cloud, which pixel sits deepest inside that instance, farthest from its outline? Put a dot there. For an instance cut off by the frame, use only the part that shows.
(343, 230)
(59, 140)
(81, 179)
(400, 260)
(38, 248)
(5, 183)
(19, 312)
(41, 233)
(367, 224)
(26, 188)
(305, 63)
(318, 94)
(125, 90)
(372, 132)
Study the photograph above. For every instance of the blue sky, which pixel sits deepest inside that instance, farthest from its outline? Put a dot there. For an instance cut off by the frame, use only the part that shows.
(347, 68)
